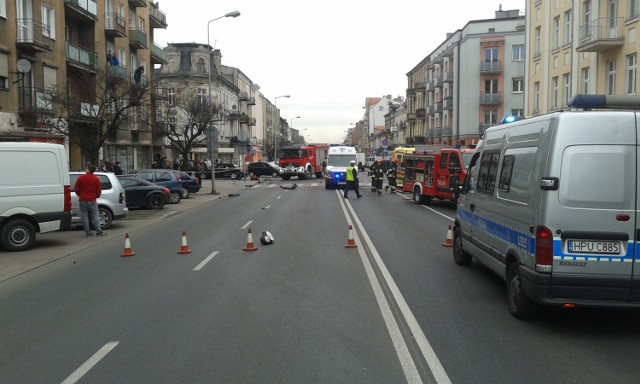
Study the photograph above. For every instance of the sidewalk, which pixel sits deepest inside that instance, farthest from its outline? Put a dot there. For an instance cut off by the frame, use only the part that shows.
(57, 245)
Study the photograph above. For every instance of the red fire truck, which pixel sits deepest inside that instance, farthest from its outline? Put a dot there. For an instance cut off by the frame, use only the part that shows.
(435, 175)
(302, 160)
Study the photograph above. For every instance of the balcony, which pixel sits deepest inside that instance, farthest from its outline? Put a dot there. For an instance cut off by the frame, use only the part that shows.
(446, 130)
(421, 113)
(421, 86)
(115, 25)
(438, 81)
(447, 77)
(234, 115)
(33, 100)
(490, 98)
(429, 86)
(252, 121)
(251, 101)
(439, 106)
(244, 118)
(411, 116)
(157, 18)
(138, 3)
(243, 96)
(431, 110)
(81, 58)
(601, 35)
(32, 36)
(82, 111)
(158, 55)
(411, 92)
(447, 103)
(82, 9)
(137, 39)
(142, 81)
(116, 73)
(490, 67)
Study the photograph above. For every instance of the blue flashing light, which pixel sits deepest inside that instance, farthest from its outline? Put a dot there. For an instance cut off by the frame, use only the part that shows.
(510, 119)
(588, 101)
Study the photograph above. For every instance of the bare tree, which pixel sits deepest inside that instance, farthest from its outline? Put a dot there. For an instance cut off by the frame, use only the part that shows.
(183, 124)
(91, 108)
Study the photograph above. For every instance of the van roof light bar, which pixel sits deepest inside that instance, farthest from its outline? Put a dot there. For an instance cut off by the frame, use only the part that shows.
(587, 102)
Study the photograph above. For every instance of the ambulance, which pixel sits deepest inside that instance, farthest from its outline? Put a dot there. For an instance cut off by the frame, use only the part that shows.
(338, 160)
(550, 204)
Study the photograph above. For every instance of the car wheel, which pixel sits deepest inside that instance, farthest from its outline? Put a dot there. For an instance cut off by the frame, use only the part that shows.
(156, 201)
(252, 174)
(275, 174)
(234, 176)
(520, 305)
(106, 218)
(186, 193)
(176, 196)
(286, 177)
(18, 235)
(460, 256)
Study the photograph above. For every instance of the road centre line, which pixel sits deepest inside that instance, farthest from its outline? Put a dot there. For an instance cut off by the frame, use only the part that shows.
(93, 360)
(247, 225)
(206, 260)
(437, 370)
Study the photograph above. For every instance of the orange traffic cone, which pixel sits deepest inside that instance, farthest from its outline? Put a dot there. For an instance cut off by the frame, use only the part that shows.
(448, 242)
(249, 246)
(127, 247)
(184, 249)
(351, 243)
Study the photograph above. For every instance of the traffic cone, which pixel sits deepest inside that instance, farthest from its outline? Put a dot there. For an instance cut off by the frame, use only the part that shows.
(448, 242)
(127, 247)
(184, 249)
(351, 243)
(249, 246)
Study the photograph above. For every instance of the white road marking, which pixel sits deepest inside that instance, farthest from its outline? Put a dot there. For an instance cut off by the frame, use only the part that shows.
(278, 198)
(205, 261)
(247, 225)
(267, 207)
(439, 213)
(93, 360)
(408, 365)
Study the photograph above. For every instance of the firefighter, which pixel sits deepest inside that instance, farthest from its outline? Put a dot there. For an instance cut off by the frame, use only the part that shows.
(392, 175)
(377, 176)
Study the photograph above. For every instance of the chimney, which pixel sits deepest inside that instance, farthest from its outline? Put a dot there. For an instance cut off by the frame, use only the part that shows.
(217, 58)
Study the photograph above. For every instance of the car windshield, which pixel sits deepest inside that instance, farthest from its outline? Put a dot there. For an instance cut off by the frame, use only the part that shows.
(340, 160)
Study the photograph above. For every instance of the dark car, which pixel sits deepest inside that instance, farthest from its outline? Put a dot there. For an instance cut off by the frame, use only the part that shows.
(228, 170)
(143, 194)
(189, 183)
(165, 177)
(263, 168)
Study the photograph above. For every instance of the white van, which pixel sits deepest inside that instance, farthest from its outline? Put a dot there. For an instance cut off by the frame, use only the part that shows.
(338, 160)
(35, 194)
(551, 204)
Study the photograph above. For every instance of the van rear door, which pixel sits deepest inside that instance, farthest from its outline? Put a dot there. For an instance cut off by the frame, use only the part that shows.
(593, 216)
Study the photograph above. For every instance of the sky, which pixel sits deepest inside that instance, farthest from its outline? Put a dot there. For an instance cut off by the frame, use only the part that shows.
(329, 55)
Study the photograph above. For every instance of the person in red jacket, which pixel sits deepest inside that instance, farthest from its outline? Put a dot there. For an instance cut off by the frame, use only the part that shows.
(88, 188)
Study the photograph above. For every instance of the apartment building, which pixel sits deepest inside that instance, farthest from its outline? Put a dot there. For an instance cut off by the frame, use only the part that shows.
(468, 83)
(47, 45)
(579, 46)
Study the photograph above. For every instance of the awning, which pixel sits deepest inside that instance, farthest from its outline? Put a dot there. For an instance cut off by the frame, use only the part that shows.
(226, 150)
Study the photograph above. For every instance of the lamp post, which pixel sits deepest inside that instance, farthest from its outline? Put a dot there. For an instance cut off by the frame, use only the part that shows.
(213, 147)
(275, 137)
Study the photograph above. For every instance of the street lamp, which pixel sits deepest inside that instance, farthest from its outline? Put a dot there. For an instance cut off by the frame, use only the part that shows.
(275, 137)
(213, 147)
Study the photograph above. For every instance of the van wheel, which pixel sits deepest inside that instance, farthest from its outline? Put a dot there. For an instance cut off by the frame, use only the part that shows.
(18, 235)
(520, 305)
(106, 218)
(460, 256)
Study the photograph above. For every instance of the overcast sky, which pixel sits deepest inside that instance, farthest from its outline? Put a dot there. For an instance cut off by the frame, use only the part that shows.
(328, 55)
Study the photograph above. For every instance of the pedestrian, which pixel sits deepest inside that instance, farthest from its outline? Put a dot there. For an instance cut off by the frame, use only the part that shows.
(88, 188)
(324, 167)
(352, 180)
(116, 168)
(392, 175)
(377, 176)
(137, 75)
(198, 169)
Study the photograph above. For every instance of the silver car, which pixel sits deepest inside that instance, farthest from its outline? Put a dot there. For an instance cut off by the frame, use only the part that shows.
(111, 204)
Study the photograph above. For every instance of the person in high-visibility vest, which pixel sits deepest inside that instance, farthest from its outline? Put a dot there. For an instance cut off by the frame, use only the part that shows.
(352, 180)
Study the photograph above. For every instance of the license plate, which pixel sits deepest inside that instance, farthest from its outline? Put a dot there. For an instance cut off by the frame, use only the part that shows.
(597, 247)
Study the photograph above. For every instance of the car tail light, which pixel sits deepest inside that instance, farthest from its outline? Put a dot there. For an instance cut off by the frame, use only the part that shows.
(121, 199)
(67, 198)
(166, 190)
(544, 249)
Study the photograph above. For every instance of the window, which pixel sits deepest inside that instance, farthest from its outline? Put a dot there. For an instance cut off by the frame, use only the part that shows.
(631, 4)
(518, 52)
(586, 18)
(515, 174)
(612, 13)
(566, 85)
(202, 95)
(536, 96)
(556, 32)
(491, 55)
(200, 67)
(585, 80)
(48, 22)
(505, 175)
(568, 31)
(537, 42)
(491, 86)
(4, 70)
(554, 93)
(487, 172)
(632, 72)
(518, 85)
(490, 116)
(172, 96)
(517, 112)
(611, 77)
(3, 8)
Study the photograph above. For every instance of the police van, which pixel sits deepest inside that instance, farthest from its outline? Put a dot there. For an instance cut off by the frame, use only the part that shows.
(551, 204)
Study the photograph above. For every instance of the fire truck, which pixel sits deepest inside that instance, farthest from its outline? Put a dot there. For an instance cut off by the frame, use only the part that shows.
(302, 160)
(435, 174)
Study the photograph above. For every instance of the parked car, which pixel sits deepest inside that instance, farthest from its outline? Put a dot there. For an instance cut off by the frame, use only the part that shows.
(143, 194)
(111, 204)
(228, 170)
(165, 177)
(263, 168)
(189, 183)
